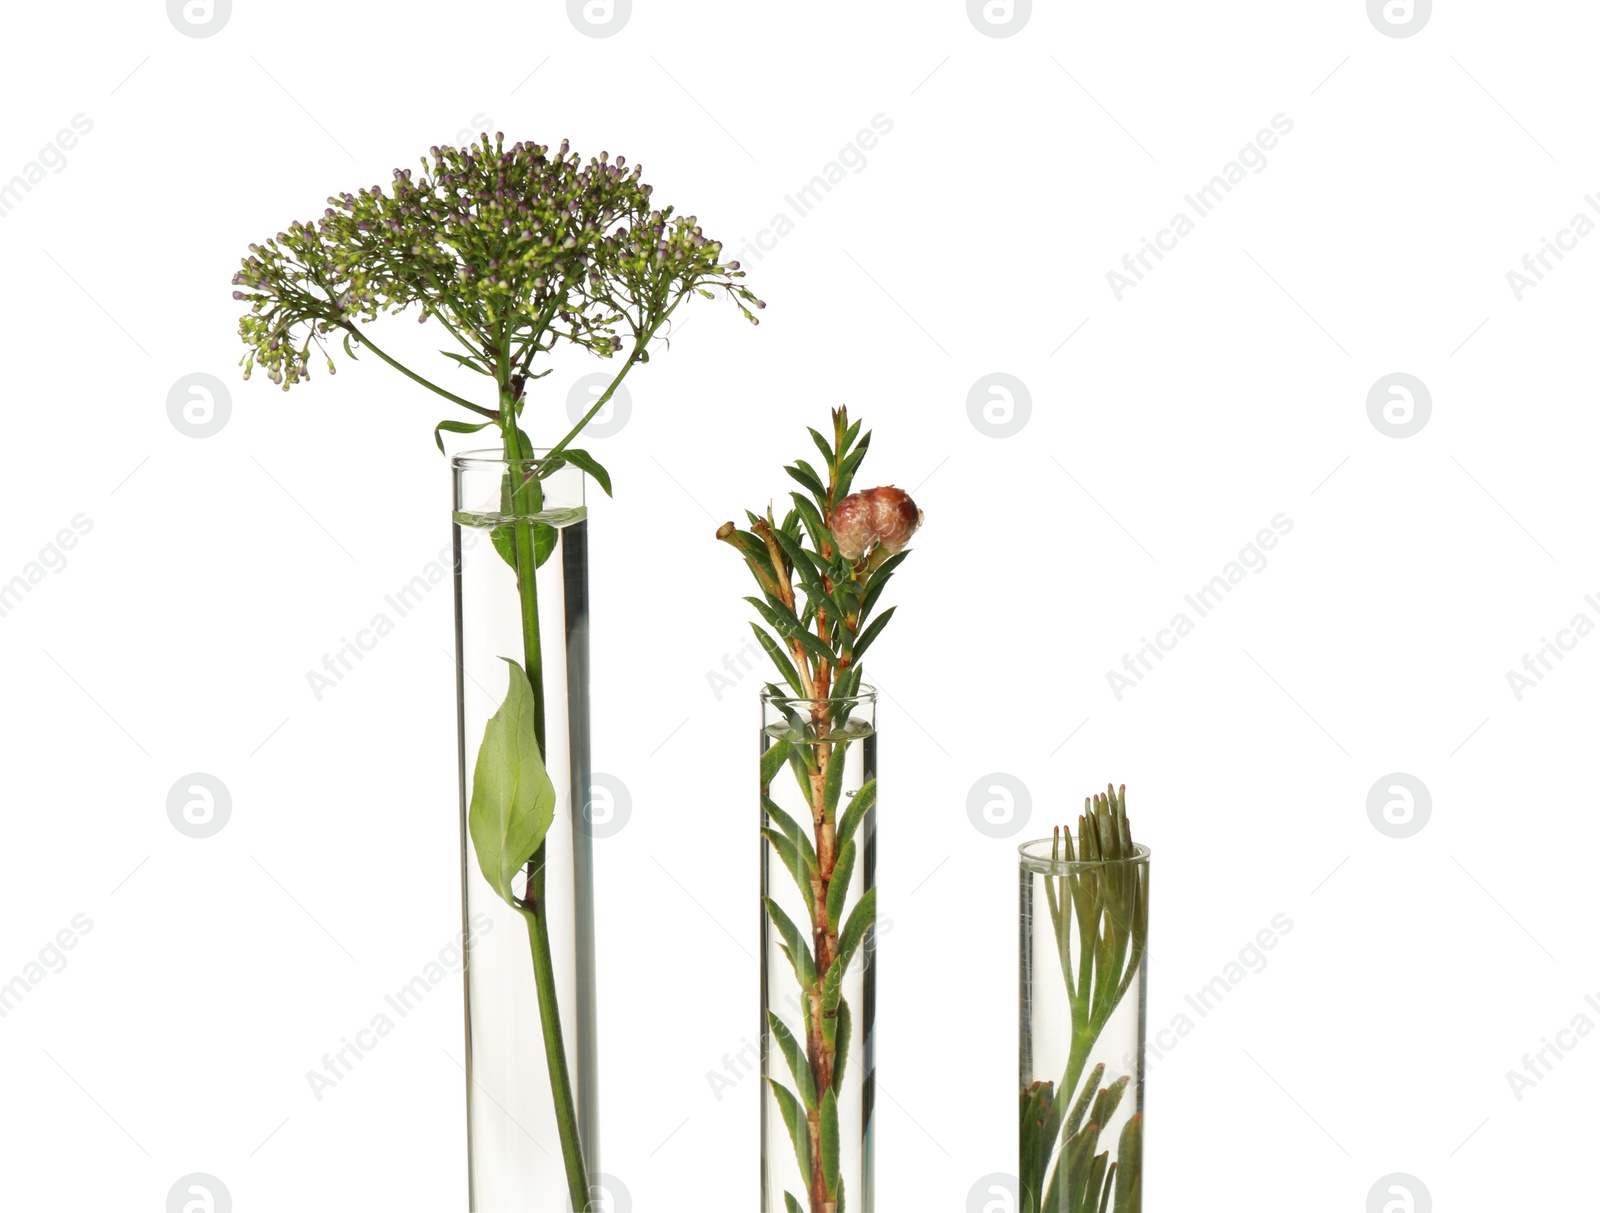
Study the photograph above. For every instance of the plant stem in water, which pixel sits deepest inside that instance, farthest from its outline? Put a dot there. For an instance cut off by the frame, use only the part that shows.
(527, 498)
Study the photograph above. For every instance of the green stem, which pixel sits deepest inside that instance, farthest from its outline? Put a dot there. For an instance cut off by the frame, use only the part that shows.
(639, 345)
(554, 1047)
(527, 498)
(410, 374)
(1082, 1042)
(598, 405)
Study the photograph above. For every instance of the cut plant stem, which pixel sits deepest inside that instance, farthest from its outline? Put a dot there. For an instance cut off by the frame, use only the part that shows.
(526, 499)
(817, 649)
(826, 943)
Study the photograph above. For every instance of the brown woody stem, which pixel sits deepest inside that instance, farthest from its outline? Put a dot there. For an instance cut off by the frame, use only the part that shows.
(826, 945)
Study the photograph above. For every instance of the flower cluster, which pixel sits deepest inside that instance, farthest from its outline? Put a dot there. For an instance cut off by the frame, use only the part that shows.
(511, 248)
(821, 623)
(883, 517)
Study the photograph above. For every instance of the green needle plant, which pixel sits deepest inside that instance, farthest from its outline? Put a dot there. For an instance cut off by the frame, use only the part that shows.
(1099, 915)
(820, 573)
(513, 252)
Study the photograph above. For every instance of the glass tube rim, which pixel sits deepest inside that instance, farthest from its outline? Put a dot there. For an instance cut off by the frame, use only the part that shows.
(865, 696)
(1032, 860)
(493, 457)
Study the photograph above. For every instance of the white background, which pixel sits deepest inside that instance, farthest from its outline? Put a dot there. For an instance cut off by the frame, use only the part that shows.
(1228, 387)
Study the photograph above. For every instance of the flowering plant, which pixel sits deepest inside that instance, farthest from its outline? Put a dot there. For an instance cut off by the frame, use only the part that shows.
(820, 573)
(513, 251)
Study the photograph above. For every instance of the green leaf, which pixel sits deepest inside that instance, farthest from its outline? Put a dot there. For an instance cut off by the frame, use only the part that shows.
(855, 811)
(816, 476)
(513, 800)
(755, 548)
(844, 598)
(831, 988)
(855, 929)
(871, 634)
(1105, 1103)
(1080, 1108)
(455, 427)
(545, 538)
(797, 724)
(839, 883)
(1097, 1182)
(795, 1118)
(796, 1057)
(1036, 1137)
(1130, 1164)
(805, 968)
(878, 580)
(841, 1044)
(791, 1204)
(1075, 1162)
(779, 659)
(472, 364)
(791, 828)
(849, 683)
(823, 567)
(826, 608)
(348, 350)
(774, 758)
(822, 446)
(505, 543)
(828, 1139)
(787, 852)
(775, 613)
(790, 855)
(588, 463)
(800, 558)
(814, 646)
(807, 479)
(786, 625)
(815, 527)
(799, 760)
(835, 780)
(1052, 1196)
(847, 470)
